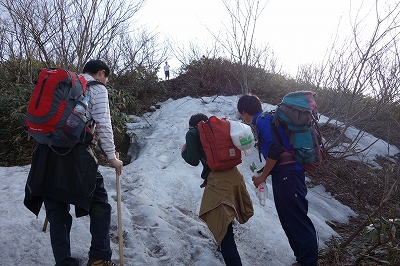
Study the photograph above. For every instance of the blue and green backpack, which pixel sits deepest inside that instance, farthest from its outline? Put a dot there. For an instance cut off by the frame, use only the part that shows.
(298, 114)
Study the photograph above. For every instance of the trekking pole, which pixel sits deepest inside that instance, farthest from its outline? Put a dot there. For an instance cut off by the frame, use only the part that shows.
(46, 221)
(120, 239)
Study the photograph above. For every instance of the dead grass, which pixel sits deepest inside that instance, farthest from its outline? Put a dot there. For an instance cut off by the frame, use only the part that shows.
(362, 188)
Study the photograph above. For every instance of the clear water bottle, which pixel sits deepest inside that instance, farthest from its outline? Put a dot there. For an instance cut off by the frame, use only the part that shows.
(262, 189)
(78, 113)
(262, 192)
(76, 121)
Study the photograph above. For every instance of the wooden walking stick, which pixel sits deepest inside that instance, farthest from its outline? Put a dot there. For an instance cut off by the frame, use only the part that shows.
(120, 238)
(46, 221)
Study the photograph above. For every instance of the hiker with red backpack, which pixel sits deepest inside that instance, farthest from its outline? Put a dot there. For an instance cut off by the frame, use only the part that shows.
(60, 176)
(225, 195)
(288, 181)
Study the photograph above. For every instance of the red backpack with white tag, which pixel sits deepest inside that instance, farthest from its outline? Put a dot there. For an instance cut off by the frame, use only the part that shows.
(217, 144)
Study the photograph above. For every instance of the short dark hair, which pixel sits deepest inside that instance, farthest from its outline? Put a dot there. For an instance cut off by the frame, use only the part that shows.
(94, 66)
(249, 103)
(195, 119)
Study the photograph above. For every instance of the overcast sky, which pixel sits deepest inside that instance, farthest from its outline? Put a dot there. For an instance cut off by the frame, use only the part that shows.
(299, 31)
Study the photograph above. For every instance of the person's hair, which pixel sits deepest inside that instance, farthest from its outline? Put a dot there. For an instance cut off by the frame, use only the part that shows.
(195, 119)
(249, 103)
(94, 66)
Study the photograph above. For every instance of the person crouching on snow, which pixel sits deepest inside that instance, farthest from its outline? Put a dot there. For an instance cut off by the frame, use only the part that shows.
(225, 195)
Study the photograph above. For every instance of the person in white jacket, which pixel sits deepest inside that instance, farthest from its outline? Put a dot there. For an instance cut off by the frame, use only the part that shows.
(99, 111)
(62, 176)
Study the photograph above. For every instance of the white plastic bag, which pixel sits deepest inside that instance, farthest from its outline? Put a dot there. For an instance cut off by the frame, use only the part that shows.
(242, 136)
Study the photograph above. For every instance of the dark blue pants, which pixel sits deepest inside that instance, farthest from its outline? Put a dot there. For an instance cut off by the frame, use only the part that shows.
(292, 206)
(229, 250)
(60, 225)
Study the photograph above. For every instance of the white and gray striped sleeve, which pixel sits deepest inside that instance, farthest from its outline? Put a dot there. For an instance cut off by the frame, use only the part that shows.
(99, 110)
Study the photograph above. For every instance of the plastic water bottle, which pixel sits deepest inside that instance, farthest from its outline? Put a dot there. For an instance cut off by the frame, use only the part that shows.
(78, 113)
(262, 192)
(262, 189)
(75, 123)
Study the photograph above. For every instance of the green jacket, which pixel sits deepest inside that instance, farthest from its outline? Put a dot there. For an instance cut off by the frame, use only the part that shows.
(225, 196)
(194, 153)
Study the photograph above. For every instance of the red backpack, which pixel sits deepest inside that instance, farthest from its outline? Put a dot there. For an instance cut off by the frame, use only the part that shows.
(54, 96)
(217, 144)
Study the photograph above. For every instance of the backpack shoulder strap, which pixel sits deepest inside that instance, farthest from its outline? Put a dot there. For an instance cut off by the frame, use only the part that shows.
(90, 123)
(95, 82)
(274, 126)
(262, 115)
(275, 120)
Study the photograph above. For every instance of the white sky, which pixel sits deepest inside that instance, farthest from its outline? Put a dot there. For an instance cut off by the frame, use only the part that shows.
(161, 199)
(299, 31)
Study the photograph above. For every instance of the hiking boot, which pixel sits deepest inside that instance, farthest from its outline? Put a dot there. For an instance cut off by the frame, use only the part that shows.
(95, 262)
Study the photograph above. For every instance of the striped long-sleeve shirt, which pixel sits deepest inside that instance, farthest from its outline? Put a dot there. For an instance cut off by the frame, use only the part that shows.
(99, 111)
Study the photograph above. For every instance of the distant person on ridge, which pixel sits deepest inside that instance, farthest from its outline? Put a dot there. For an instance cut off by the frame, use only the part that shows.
(225, 195)
(166, 70)
(288, 182)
